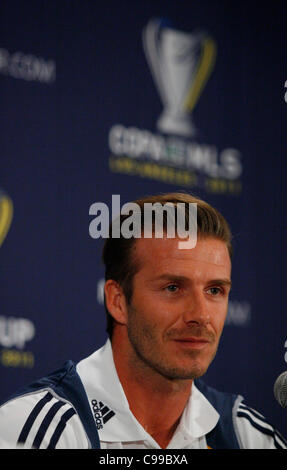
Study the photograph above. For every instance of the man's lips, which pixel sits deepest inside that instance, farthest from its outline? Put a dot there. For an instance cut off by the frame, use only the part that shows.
(193, 339)
(193, 342)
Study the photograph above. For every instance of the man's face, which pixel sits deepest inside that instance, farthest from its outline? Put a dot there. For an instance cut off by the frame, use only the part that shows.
(179, 305)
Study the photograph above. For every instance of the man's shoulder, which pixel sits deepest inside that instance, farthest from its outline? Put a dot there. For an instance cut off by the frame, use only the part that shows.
(51, 412)
(56, 402)
(256, 431)
(40, 419)
(248, 428)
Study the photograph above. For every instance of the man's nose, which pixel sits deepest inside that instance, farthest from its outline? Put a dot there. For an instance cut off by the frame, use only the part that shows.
(196, 309)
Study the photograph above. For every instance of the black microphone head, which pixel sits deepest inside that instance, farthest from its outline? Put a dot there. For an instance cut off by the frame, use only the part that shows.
(280, 389)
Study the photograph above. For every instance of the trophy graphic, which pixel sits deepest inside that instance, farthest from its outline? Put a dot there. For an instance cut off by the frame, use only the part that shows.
(6, 213)
(180, 64)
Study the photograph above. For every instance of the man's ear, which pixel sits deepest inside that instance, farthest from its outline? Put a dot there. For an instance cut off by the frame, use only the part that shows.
(116, 301)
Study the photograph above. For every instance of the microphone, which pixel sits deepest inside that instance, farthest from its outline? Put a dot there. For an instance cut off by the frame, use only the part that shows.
(280, 389)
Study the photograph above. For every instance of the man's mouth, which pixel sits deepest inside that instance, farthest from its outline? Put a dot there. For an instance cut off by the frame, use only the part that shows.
(192, 342)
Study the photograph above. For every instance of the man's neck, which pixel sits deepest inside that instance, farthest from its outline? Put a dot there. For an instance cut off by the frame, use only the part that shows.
(156, 401)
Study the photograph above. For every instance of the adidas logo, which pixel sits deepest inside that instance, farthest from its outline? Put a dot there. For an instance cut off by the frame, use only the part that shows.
(102, 413)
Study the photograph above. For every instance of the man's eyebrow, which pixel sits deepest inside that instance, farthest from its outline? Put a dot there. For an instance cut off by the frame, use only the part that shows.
(170, 276)
(222, 282)
(175, 277)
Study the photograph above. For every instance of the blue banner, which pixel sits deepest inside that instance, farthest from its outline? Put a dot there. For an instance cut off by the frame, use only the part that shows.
(136, 98)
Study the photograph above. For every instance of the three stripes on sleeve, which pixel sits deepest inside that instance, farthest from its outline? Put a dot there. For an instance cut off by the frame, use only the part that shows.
(40, 422)
(259, 423)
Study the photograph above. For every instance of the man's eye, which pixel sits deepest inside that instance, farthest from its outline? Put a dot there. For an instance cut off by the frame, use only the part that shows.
(171, 288)
(214, 291)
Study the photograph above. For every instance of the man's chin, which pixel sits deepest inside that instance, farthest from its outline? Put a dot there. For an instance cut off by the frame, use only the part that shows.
(183, 373)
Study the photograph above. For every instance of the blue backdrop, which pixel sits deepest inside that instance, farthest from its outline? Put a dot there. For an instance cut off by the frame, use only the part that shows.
(83, 85)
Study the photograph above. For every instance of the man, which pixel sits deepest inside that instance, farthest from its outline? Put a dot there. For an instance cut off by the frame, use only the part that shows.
(166, 308)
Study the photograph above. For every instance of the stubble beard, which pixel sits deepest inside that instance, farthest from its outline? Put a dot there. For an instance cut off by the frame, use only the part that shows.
(149, 354)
